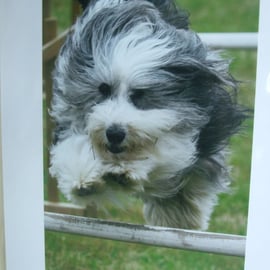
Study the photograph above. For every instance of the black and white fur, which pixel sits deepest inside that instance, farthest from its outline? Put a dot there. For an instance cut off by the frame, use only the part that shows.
(142, 107)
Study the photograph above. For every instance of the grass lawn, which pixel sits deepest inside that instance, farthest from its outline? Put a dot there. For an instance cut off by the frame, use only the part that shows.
(70, 252)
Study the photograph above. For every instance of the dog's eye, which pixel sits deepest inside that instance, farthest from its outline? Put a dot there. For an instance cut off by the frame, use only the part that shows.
(105, 89)
(136, 96)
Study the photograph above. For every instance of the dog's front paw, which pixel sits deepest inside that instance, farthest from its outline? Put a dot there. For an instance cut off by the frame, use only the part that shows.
(89, 188)
(77, 170)
(121, 182)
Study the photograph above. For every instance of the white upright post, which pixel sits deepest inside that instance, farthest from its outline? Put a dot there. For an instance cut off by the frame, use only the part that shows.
(21, 202)
(258, 235)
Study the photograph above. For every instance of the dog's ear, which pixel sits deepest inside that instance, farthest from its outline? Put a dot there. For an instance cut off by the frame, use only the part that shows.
(84, 3)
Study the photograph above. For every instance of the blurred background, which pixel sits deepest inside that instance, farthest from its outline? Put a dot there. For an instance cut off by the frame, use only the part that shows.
(70, 252)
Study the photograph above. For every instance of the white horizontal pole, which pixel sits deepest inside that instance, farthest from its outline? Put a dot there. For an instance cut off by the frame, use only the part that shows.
(230, 40)
(233, 245)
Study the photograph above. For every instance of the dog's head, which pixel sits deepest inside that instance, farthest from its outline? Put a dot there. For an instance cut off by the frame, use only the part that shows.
(128, 76)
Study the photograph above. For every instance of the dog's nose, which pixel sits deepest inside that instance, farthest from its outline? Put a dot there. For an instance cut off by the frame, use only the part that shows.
(115, 134)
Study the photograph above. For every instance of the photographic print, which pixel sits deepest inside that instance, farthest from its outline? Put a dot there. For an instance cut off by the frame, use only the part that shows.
(152, 121)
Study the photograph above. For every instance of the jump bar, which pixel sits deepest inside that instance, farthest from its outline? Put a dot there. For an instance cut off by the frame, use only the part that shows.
(226, 244)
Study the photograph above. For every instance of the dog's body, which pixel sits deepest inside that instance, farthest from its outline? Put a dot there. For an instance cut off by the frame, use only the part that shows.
(142, 107)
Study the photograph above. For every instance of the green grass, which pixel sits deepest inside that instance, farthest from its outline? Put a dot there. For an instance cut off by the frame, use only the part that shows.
(70, 252)
(222, 16)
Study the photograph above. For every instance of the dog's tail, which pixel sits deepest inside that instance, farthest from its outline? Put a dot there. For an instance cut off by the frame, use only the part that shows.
(171, 13)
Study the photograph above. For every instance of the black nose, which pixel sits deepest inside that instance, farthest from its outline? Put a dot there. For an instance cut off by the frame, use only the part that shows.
(115, 134)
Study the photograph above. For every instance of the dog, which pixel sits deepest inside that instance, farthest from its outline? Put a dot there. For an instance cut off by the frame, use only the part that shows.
(142, 107)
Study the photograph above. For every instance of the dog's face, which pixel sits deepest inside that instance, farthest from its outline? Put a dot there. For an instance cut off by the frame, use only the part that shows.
(127, 78)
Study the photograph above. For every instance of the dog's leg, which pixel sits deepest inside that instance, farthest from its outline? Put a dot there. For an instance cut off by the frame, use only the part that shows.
(77, 169)
(185, 210)
(187, 200)
(189, 208)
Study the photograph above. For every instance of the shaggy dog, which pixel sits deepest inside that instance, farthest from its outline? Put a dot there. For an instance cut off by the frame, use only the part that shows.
(142, 107)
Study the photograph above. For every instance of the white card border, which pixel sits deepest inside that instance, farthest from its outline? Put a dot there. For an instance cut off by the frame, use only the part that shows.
(258, 238)
(21, 128)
